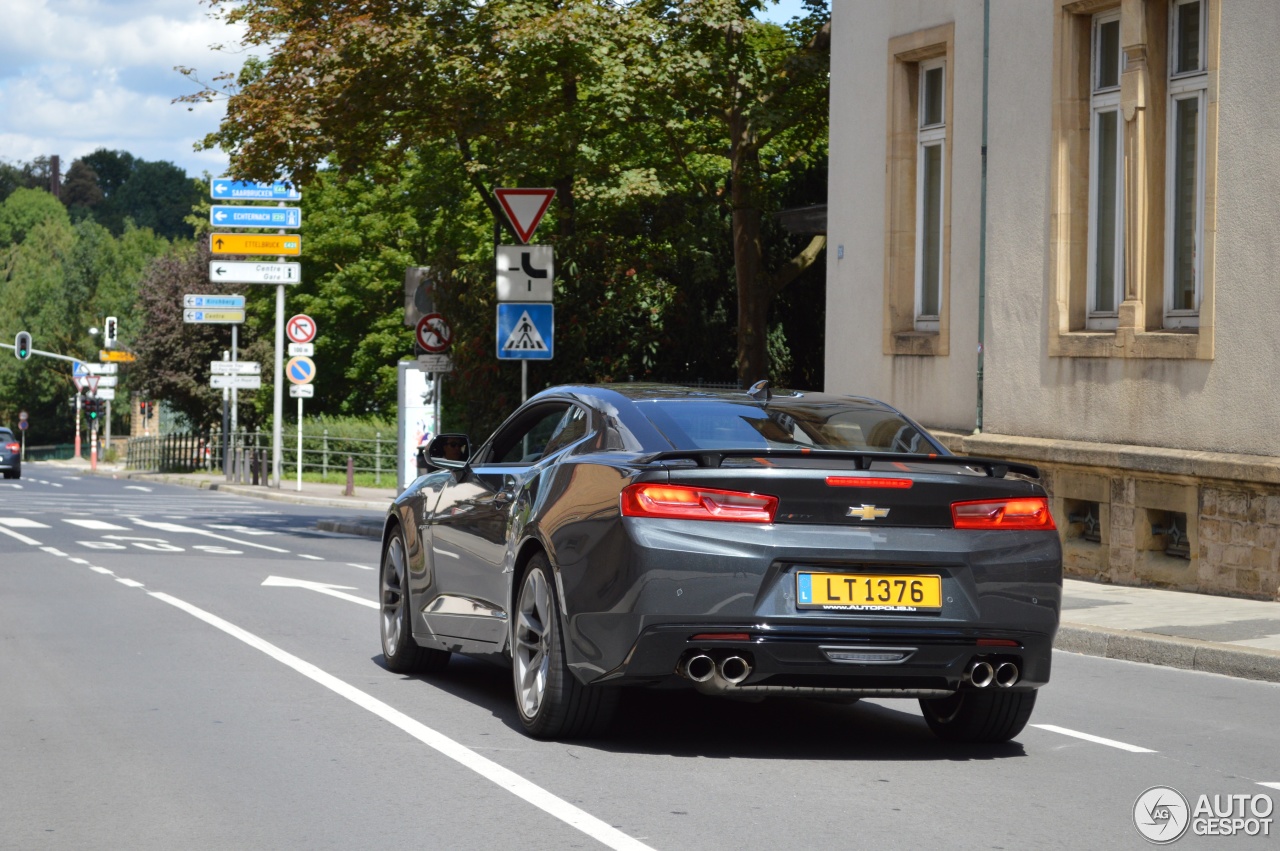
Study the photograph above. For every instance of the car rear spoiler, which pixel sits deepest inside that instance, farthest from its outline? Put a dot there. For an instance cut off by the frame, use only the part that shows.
(715, 457)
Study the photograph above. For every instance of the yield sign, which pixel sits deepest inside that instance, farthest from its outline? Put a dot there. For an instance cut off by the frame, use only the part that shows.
(525, 208)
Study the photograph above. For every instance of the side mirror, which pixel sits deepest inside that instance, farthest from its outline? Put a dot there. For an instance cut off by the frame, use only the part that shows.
(449, 452)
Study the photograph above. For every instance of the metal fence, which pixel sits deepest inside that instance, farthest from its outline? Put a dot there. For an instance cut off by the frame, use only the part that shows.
(249, 454)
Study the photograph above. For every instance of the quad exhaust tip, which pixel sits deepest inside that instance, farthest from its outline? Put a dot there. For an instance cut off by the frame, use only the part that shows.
(700, 668)
(980, 674)
(734, 669)
(1006, 674)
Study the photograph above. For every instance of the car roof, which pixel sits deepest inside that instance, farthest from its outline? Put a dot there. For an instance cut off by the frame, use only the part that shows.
(642, 392)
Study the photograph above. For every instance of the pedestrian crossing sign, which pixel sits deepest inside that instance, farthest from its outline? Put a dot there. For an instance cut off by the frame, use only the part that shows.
(526, 331)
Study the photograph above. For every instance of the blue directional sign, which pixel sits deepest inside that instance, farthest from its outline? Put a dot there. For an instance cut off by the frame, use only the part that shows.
(226, 189)
(208, 301)
(255, 217)
(526, 331)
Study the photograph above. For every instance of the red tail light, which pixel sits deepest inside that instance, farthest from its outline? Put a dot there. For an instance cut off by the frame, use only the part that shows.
(867, 482)
(1020, 513)
(682, 502)
(13, 447)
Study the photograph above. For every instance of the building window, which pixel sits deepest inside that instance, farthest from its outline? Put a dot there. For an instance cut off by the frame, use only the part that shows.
(930, 139)
(1106, 176)
(918, 193)
(1184, 216)
(1132, 220)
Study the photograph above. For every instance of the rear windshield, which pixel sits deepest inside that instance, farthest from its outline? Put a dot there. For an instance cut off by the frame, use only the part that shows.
(783, 424)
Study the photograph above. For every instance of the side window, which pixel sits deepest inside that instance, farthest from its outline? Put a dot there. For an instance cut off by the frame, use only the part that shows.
(525, 441)
(572, 427)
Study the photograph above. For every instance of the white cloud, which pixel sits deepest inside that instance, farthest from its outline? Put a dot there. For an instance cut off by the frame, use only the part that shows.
(77, 75)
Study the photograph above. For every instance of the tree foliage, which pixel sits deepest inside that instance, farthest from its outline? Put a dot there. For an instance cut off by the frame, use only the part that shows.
(670, 130)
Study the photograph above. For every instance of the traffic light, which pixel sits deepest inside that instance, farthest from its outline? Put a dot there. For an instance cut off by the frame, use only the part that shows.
(109, 331)
(22, 345)
(92, 407)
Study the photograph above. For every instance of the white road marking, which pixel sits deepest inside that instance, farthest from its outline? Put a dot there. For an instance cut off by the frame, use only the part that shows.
(54, 551)
(102, 545)
(174, 527)
(137, 488)
(19, 536)
(557, 807)
(361, 566)
(22, 523)
(322, 587)
(10, 485)
(1098, 740)
(130, 582)
(101, 570)
(243, 530)
(100, 525)
(313, 558)
(78, 561)
(1270, 785)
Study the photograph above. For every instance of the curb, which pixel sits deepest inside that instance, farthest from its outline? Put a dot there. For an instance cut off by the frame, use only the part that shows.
(1186, 653)
(365, 528)
(257, 492)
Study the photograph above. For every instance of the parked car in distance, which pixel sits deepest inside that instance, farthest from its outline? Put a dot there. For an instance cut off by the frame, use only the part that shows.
(744, 544)
(10, 455)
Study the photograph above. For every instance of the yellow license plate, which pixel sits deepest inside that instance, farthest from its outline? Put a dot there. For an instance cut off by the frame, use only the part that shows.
(860, 592)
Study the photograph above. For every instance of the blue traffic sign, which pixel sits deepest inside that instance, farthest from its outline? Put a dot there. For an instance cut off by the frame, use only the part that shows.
(79, 369)
(255, 217)
(226, 189)
(213, 301)
(526, 331)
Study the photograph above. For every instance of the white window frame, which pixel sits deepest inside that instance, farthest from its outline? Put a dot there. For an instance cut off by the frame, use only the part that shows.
(1184, 86)
(927, 136)
(1104, 100)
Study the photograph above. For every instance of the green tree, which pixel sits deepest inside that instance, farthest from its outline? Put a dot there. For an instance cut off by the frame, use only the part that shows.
(560, 93)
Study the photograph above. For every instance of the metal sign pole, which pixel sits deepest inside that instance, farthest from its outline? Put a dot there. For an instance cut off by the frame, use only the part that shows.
(299, 443)
(277, 439)
(235, 342)
(524, 381)
(77, 422)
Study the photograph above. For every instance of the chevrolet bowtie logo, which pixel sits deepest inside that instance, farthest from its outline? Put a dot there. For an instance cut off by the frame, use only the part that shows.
(867, 512)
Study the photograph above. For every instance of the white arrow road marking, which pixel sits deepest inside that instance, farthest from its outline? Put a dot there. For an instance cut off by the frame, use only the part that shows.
(1098, 740)
(501, 776)
(18, 535)
(137, 488)
(22, 523)
(98, 525)
(323, 588)
(174, 527)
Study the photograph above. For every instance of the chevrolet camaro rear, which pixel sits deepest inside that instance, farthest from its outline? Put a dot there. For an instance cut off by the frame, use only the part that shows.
(746, 546)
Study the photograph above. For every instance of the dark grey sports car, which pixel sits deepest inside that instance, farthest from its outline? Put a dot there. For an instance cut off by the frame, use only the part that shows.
(746, 544)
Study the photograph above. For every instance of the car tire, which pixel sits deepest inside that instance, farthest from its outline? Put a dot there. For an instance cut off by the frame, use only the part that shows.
(970, 715)
(400, 652)
(551, 701)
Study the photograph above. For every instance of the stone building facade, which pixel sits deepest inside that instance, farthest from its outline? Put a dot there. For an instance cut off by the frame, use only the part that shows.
(1054, 230)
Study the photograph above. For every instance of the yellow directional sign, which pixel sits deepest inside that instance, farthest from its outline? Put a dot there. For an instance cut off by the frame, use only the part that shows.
(255, 243)
(115, 357)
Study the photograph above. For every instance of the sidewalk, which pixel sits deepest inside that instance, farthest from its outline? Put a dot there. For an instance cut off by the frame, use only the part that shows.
(1222, 635)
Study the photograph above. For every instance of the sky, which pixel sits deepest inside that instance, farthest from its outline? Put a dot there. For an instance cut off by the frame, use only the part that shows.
(78, 75)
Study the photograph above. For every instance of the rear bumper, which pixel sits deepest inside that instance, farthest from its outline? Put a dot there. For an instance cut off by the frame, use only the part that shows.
(802, 659)
(637, 599)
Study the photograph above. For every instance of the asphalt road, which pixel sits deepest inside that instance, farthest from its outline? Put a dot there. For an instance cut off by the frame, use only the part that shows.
(181, 668)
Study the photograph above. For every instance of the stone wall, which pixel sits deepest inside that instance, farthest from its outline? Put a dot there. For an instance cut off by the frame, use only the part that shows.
(1192, 521)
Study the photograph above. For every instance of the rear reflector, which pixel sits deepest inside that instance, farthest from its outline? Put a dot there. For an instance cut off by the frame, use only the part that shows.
(997, 642)
(682, 502)
(721, 636)
(1019, 513)
(867, 482)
